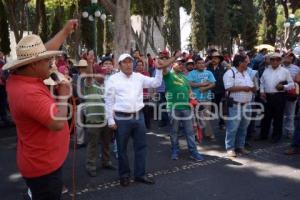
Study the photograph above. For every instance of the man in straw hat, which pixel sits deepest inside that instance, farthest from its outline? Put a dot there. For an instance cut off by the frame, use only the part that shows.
(123, 104)
(273, 83)
(218, 70)
(42, 128)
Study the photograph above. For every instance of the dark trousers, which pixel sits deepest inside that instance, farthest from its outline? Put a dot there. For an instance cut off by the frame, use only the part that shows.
(296, 139)
(131, 126)
(274, 110)
(217, 100)
(164, 114)
(48, 187)
(147, 114)
(3, 103)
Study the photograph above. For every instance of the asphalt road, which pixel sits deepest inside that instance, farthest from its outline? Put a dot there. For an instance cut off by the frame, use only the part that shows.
(266, 174)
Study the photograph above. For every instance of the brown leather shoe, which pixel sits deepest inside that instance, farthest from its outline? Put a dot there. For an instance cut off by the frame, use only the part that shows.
(291, 151)
(124, 182)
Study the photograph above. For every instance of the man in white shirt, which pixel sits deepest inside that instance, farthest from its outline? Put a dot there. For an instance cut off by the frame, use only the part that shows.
(274, 82)
(123, 105)
(290, 106)
(238, 83)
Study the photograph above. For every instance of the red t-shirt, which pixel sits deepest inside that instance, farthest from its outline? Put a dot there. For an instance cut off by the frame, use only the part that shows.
(39, 151)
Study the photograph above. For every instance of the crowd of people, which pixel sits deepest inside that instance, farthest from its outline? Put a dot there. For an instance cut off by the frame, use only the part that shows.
(185, 91)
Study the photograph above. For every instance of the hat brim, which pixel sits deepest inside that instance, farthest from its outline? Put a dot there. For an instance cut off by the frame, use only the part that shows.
(81, 66)
(19, 63)
(219, 56)
(131, 58)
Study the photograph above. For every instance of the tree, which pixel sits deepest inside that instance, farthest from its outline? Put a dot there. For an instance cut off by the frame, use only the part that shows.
(4, 33)
(222, 24)
(122, 24)
(108, 35)
(41, 26)
(249, 31)
(16, 8)
(172, 24)
(198, 25)
(210, 19)
(269, 21)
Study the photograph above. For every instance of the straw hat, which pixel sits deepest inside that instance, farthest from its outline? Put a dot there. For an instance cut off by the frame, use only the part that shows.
(216, 54)
(81, 63)
(30, 49)
(275, 55)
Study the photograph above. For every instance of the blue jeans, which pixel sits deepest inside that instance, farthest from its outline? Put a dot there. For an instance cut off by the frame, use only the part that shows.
(185, 117)
(132, 127)
(289, 116)
(236, 128)
(296, 139)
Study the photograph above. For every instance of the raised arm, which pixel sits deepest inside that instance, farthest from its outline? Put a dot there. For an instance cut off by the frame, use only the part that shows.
(59, 38)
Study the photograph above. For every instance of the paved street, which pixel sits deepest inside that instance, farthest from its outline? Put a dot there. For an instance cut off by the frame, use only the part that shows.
(265, 174)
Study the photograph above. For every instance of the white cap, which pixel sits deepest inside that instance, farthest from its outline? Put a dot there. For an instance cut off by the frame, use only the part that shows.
(124, 56)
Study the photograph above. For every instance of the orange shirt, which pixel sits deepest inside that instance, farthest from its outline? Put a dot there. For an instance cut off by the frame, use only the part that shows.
(39, 151)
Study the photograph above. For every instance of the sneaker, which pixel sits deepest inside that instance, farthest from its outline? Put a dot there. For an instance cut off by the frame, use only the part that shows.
(197, 156)
(64, 190)
(174, 155)
(29, 193)
(231, 153)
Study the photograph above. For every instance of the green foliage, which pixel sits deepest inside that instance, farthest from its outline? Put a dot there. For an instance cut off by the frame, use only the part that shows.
(4, 33)
(172, 24)
(147, 8)
(210, 19)
(198, 36)
(222, 24)
(249, 28)
(269, 21)
(187, 5)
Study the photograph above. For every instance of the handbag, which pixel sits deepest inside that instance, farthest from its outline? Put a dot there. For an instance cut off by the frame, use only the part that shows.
(227, 101)
(292, 95)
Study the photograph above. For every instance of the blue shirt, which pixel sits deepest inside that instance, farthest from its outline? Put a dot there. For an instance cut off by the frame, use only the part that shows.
(197, 76)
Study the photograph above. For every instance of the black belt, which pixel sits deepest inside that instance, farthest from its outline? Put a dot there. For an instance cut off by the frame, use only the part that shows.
(275, 93)
(128, 114)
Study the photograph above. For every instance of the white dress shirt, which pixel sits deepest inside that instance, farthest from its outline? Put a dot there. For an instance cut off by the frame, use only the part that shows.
(293, 69)
(241, 79)
(272, 77)
(125, 93)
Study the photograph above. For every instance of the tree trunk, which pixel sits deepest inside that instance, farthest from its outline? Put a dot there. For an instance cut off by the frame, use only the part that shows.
(172, 24)
(198, 25)
(270, 15)
(122, 33)
(16, 16)
(222, 24)
(249, 32)
(4, 34)
(108, 36)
